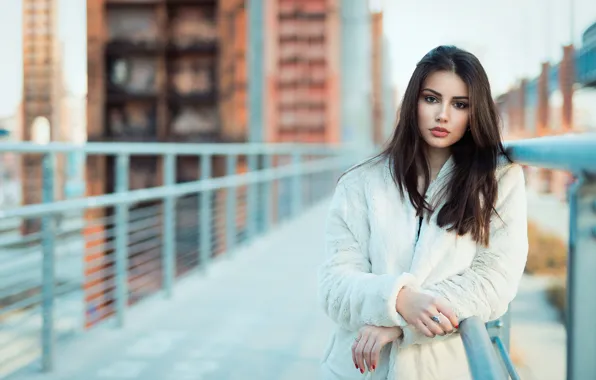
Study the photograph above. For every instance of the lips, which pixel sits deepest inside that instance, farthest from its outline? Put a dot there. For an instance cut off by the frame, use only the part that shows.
(439, 132)
(439, 129)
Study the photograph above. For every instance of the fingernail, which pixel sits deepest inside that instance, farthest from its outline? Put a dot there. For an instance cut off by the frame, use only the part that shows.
(373, 368)
(361, 370)
(457, 326)
(356, 366)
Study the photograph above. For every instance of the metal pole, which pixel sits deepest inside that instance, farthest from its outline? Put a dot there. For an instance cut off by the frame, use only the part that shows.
(205, 215)
(231, 162)
(48, 265)
(505, 333)
(122, 169)
(296, 184)
(482, 358)
(581, 303)
(267, 194)
(507, 362)
(251, 200)
(169, 232)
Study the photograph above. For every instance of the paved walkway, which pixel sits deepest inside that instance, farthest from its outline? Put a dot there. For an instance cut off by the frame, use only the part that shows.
(253, 316)
(538, 337)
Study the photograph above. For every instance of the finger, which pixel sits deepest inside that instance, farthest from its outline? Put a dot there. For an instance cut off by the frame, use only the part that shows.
(368, 351)
(423, 329)
(446, 324)
(448, 312)
(359, 352)
(432, 325)
(375, 355)
(443, 323)
(354, 345)
(354, 353)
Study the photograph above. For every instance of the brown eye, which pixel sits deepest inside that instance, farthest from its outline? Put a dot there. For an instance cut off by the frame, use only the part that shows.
(461, 105)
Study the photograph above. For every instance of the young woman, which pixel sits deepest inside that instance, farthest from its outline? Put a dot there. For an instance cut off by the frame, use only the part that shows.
(431, 231)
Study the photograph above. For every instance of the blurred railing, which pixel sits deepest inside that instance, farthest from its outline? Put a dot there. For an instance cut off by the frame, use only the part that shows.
(576, 154)
(95, 256)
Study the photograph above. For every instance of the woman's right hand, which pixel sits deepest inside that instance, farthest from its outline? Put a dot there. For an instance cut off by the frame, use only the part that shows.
(418, 308)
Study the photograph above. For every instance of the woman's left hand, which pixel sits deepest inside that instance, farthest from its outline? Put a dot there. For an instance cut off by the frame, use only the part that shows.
(368, 344)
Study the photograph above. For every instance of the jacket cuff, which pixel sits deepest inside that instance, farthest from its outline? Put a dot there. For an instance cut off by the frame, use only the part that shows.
(405, 279)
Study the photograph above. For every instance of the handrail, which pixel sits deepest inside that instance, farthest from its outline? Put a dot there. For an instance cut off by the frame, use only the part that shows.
(177, 190)
(573, 152)
(194, 149)
(482, 358)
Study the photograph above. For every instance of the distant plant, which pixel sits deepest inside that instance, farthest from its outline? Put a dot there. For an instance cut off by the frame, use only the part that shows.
(557, 296)
(547, 255)
(547, 252)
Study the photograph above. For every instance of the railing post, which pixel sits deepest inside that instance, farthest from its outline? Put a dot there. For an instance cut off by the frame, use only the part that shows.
(231, 162)
(205, 217)
(48, 265)
(505, 332)
(251, 200)
(296, 183)
(482, 358)
(581, 303)
(267, 194)
(169, 231)
(122, 168)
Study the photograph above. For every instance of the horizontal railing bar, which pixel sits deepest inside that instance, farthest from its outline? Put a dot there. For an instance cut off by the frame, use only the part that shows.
(573, 152)
(482, 358)
(114, 148)
(28, 350)
(137, 196)
(32, 300)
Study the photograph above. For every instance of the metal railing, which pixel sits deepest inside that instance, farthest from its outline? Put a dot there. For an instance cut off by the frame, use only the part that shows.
(576, 154)
(112, 250)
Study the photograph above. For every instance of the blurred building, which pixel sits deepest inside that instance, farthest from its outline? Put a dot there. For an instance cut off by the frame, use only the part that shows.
(302, 71)
(42, 91)
(222, 71)
(383, 90)
(556, 102)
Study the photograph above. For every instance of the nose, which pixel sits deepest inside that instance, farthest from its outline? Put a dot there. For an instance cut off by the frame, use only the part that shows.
(443, 115)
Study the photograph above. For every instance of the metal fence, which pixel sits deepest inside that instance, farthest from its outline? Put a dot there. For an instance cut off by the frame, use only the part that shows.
(96, 255)
(485, 346)
(84, 267)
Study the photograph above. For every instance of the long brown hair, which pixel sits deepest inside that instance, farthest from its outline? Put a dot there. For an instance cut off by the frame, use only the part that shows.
(471, 193)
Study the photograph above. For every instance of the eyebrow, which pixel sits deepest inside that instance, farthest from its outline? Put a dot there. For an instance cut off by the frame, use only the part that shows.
(439, 94)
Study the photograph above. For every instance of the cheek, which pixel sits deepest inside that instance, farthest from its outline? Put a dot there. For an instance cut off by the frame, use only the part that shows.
(424, 112)
(461, 121)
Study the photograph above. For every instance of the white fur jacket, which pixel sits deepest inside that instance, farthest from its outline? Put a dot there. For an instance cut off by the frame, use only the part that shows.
(371, 253)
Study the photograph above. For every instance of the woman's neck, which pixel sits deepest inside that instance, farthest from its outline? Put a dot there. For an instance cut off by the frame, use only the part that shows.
(436, 159)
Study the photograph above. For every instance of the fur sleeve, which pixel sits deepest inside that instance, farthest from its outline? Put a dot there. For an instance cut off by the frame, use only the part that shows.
(490, 284)
(350, 294)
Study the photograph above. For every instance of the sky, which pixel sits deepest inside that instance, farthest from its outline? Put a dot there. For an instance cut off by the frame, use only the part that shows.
(510, 37)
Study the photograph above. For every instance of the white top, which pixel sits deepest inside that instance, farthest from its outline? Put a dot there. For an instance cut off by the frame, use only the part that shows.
(371, 253)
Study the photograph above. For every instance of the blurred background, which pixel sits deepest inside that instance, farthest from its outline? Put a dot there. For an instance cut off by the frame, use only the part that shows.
(312, 72)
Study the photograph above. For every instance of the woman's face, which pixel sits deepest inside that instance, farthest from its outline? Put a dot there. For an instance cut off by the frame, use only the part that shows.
(443, 109)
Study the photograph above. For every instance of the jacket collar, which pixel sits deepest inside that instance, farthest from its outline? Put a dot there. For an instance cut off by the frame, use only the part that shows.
(442, 177)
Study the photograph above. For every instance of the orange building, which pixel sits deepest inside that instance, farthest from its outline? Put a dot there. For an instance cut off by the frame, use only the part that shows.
(302, 71)
(177, 70)
(543, 107)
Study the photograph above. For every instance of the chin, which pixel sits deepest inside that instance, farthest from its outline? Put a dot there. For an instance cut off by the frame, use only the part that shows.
(438, 143)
